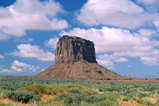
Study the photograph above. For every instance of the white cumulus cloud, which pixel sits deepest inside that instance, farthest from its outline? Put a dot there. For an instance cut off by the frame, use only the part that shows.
(51, 42)
(147, 32)
(20, 64)
(16, 69)
(149, 61)
(120, 13)
(30, 15)
(33, 51)
(6, 71)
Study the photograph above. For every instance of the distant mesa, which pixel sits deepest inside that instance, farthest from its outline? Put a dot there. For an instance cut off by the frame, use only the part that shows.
(75, 60)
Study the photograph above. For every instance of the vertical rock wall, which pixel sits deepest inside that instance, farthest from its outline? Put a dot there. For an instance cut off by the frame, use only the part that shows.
(72, 49)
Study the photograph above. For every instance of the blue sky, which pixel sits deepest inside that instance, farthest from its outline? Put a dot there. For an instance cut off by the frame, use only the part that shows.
(125, 33)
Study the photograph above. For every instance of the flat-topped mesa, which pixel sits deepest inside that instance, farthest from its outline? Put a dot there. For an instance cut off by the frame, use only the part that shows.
(72, 49)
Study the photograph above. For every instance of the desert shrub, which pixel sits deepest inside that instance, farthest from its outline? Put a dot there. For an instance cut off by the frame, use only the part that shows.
(132, 94)
(94, 98)
(62, 96)
(126, 98)
(101, 90)
(88, 104)
(109, 96)
(75, 99)
(75, 91)
(141, 95)
(148, 88)
(39, 89)
(3, 104)
(109, 89)
(107, 103)
(148, 103)
(22, 96)
(1, 95)
(139, 100)
(7, 87)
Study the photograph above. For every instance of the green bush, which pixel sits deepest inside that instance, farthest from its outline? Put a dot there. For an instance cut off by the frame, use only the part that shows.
(62, 96)
(148, 103)
(109, 96)
(107, 103)
(22, 96)
(126, 98)
(75, 99)
(7, 87)
(101, 90)
(94, 98)
(141, 95)
(3, 104)
(75, 91)
(39, 89)
(139, 100)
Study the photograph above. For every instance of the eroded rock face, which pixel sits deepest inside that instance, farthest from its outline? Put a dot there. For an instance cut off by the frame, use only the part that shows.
(72, 49)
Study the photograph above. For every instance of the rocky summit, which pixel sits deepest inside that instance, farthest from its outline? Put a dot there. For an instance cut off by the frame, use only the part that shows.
(72, 49)
(75, 60)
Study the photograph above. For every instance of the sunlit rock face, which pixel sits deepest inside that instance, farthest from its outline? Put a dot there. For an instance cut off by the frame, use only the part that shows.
(72, 49)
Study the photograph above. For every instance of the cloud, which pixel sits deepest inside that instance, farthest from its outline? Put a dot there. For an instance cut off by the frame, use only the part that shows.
(3, 36)
(33, 51)
(108, 60)
(31, 15)
(16, 69)
(51, 42)
(20, 64)
(149, 61)
(123, 13)
(6, 71)
(24, 40)
(25, 67)
(122, 44)
(147, 2)
(150, 5)
(121, 59)
(1, 56)
(147, 32)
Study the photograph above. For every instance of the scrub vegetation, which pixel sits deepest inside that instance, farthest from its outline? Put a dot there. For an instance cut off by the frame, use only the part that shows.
(19, 91)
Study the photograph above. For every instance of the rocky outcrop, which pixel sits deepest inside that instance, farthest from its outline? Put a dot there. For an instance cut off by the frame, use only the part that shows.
(72, 49)
(75, 60)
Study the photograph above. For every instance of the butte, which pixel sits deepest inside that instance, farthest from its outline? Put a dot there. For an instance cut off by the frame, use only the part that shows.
(75, 60)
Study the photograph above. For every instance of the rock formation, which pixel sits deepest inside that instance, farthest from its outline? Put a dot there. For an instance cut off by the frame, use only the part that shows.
(72, 49)
(75, 59)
